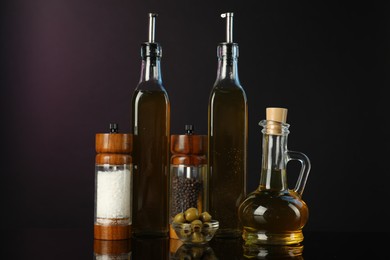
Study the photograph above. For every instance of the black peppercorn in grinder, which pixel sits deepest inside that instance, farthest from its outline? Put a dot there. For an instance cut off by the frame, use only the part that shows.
(188, 174)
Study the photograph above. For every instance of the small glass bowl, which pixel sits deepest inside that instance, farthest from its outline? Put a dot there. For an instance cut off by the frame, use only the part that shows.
(196, 234)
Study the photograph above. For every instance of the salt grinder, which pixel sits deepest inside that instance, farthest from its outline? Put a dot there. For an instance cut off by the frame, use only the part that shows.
(113, 185)
(188, 174)
(112, 250)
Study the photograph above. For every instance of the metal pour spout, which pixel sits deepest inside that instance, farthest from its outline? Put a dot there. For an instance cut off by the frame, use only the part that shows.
(229, 26)
(152, 26)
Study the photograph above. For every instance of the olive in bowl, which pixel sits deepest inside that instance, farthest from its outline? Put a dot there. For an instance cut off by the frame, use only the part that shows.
(194, 228)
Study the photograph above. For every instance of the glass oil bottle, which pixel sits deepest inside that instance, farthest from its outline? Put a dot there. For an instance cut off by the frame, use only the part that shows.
(227, 138)
(274, 214)
(151, 132)
(188, 175)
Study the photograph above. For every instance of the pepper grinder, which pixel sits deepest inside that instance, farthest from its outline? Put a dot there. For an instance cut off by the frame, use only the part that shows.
(188, 175)
(113, 185)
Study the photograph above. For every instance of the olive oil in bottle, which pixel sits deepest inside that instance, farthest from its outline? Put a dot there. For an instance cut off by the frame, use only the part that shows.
(227, 137)
(273, 214)
(151, 133)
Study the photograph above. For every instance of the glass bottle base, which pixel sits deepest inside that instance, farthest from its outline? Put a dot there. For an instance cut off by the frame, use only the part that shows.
(269, 238)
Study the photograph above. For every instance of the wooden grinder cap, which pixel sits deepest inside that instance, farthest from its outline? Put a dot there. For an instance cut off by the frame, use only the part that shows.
(189, 149)
(189, 143)
(275, 116)
(113, 147)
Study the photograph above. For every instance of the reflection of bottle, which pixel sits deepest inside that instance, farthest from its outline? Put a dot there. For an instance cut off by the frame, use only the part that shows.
(227, 133)
(151, 130)
(188, 176)
(150, 248)
(273, 214)
(227, 249)
(113, 181)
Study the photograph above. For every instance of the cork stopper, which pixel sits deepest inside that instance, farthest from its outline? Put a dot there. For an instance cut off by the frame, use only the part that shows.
(277, 114)
(276, 117)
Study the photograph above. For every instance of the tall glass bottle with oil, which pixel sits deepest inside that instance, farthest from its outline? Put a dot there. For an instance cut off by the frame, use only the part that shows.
(151, 132)
(227, 137)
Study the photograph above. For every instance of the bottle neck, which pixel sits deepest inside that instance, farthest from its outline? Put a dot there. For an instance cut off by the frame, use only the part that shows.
(151, 69)
(273, 172)
(227, 54)
(151, 53)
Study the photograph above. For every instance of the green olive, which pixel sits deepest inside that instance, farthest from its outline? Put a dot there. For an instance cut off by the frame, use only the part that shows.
(205, 217)
(191, 214)
(196, 225)
(197, 237)
(185, 231)
(179, 218)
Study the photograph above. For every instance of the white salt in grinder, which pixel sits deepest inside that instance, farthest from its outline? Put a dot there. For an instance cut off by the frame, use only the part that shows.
(113, 185)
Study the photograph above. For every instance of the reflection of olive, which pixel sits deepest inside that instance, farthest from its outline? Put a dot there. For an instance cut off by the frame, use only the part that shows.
(205, 217)
(210, 257)
(191, 214)
(197, 252)
(185, 257)
(179, 218)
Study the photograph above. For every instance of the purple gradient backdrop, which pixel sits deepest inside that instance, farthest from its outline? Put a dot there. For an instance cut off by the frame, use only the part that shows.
(69, 68)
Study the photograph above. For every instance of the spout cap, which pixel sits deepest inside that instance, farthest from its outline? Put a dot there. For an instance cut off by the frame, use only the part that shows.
(276, 114)
(151, 48)
(229, 26)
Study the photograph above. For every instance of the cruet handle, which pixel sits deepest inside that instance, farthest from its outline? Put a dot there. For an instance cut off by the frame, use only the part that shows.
(305, 169)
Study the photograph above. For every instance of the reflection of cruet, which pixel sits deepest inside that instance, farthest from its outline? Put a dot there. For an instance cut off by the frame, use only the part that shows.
(275, 252)
(273, 214)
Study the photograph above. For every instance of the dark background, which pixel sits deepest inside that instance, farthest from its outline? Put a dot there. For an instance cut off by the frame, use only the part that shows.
(69, 68)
